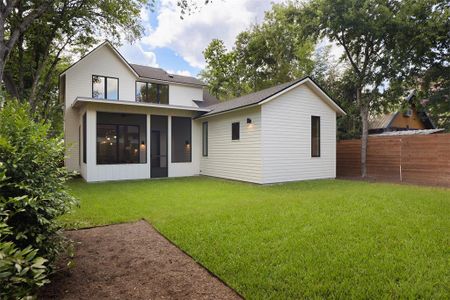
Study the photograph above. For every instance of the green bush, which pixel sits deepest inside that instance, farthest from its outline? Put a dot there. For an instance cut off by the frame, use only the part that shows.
(32, 196)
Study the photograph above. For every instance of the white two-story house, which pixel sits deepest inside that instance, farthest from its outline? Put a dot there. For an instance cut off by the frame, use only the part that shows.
(125, 121)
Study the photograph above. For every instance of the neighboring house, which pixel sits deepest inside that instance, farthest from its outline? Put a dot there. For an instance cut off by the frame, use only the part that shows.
(409, 119)
(125, 121)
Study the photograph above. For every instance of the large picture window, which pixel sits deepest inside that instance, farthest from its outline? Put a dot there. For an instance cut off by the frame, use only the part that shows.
(205, 138)
(181, 139)
(315, 136)
(105, 87)
(152, 92)
(121, 138)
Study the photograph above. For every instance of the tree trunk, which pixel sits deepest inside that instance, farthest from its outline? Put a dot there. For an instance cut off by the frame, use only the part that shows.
(364, 114)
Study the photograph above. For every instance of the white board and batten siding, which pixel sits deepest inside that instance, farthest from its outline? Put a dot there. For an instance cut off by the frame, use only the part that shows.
(238, 159)
(102, 62)
(78, 83)
(286, 137)
(95, 172)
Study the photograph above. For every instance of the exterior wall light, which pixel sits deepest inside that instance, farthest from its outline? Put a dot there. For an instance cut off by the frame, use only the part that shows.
(142, 145)
(249, 121)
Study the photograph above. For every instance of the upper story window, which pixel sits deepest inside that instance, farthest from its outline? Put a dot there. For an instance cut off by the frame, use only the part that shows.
(104, 87)
(152, 92)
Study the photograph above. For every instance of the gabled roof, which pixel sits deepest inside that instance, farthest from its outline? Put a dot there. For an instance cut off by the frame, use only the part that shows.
(385, 120)
(160, 74)
(104, 44)
(144, 72)
(381, 121)
(268, 94)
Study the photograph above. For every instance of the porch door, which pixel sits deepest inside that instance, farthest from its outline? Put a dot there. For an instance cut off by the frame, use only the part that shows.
(158, 146)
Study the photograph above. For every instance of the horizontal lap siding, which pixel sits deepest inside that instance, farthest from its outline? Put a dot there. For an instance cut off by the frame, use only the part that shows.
(423, 159)
(239, 160)
(286, 137)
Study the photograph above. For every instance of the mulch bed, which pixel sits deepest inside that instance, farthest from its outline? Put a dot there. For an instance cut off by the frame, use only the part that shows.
(132, 261)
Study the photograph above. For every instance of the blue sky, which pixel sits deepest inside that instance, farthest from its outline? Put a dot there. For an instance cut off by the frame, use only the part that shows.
(176, 45)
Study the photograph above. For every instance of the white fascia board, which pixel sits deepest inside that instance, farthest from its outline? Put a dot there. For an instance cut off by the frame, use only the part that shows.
(327, 99)
(83, 100)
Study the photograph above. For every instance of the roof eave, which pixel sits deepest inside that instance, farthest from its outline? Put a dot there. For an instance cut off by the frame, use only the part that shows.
(105, 43)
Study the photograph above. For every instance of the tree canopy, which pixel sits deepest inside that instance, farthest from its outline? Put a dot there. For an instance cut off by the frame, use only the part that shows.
(388, 47)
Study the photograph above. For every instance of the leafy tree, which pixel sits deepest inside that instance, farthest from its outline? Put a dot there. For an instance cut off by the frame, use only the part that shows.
(32, 196)
(65, 27)
(267, 54)
(221, 74)
(371, 32)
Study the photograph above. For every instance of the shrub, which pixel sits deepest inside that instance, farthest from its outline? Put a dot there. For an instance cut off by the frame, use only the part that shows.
(32, 196)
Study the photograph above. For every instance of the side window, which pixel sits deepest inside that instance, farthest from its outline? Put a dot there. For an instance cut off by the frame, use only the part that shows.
(84, 138)
(315, 136)
(235, 132)
(205, 138)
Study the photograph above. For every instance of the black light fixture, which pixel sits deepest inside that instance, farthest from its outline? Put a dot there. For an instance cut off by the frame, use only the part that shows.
(249, 121)
(143, 145)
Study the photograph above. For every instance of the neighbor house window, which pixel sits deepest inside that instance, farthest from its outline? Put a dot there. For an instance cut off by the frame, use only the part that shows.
(205, 138)
(315, 136)
(84, 138)
(121, 138)
(152, 92)
(105, 87)
(181, 139)
(235, 134)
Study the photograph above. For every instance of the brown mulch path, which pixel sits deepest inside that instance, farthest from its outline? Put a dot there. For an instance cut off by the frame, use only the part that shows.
(132, 261)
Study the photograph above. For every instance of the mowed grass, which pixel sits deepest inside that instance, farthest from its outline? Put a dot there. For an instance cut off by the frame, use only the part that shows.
(314, 239)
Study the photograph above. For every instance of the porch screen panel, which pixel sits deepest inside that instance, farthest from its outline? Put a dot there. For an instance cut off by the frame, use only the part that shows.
(181, 139)
(106, 144)
(121, 138)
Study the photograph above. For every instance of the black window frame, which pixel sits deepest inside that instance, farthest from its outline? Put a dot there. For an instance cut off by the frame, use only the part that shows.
(158, 92)
(84, 139)
(106, 87)
(313, 119)
(172, 140)
(117, 126)
(205, 139)
(235, 137)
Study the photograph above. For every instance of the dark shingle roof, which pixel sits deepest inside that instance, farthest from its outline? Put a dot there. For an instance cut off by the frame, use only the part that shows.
(249, 99)
(208, 100)
(160, 74)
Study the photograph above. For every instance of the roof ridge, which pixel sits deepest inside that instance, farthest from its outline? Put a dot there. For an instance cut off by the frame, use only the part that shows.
(275, 87)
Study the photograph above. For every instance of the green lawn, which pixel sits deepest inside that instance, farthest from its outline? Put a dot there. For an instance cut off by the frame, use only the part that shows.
(316, 239)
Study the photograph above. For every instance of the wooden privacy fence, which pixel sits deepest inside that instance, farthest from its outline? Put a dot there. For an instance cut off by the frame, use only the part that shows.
(421, 159)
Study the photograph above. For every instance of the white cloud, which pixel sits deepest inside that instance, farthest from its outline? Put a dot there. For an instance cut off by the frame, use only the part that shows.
(135, 53)
(189, 37)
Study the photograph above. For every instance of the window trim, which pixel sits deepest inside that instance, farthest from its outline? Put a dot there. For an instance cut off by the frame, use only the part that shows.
(238, 132)
(205, 145)
(117, 145)
(318, 137)
(158, 93)
(146, 142)
(106, 87)
(172, 137)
